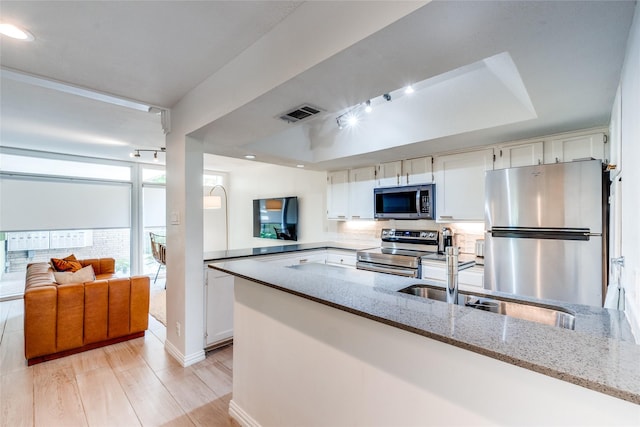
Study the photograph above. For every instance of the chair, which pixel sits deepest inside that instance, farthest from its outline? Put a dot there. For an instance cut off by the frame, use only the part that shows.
(283, 233)
(159, 251)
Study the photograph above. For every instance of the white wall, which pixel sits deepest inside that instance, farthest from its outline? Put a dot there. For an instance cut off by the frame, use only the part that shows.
(264, 181)
(272, 55)
(630, 136)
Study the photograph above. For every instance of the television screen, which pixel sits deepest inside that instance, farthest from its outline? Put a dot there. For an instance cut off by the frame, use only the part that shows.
(276, 218)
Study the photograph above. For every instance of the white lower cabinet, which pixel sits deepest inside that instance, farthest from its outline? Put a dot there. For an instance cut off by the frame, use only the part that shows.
(469, 279)
(218, 307)
(341, 258)
(295, 258)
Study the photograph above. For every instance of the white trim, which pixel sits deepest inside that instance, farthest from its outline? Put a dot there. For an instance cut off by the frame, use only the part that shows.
(59, 86)
(184, 360)
(238, 414)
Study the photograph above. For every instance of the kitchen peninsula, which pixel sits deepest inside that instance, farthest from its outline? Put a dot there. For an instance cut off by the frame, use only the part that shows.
(345, 347)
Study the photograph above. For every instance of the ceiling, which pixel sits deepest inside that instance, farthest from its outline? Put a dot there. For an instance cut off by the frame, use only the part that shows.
(558, 62)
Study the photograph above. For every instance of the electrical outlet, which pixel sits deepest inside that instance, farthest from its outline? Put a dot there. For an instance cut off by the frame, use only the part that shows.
(178, 328)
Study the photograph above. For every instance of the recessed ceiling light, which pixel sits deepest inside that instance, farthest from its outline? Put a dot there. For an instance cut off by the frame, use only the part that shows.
(299, 166)
(250, 156)
(15, 32)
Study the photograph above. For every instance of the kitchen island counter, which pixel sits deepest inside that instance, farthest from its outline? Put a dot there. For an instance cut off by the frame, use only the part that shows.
(599, 354)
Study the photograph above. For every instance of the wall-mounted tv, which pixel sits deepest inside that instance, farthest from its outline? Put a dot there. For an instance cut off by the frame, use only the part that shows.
(276, 218)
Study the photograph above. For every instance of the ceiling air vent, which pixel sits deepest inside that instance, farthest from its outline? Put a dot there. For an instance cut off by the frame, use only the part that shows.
(303, 112)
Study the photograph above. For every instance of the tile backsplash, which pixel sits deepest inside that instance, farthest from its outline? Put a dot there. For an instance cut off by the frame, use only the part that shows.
(464, 234)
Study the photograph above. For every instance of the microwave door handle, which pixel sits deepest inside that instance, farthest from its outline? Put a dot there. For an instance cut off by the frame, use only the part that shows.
(418, 202)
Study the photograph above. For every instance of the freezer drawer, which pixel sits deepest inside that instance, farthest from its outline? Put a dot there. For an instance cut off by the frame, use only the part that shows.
(563, 270)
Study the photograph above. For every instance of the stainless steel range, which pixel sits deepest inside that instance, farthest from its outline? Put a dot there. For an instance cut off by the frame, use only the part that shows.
(400, 253)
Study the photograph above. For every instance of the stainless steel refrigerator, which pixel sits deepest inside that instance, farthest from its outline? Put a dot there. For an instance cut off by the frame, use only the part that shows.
(545, 231)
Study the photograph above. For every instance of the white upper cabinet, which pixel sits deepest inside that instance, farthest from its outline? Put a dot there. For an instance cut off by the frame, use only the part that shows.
(361, 184)
(405, 172)
(389, 174)
(578, 147)
(338, 195)
(459, 182)
(511, 156)
(417, 171)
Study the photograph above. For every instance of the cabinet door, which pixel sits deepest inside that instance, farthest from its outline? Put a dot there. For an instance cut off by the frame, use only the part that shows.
(342, 258)
(361, 184)
(579, 147)
(460, 185)
(417, 171)
(319, 257)
(295, 258)
(469, 279)
(338, 195)
(219, 307)
(389, 174)
(511, 156)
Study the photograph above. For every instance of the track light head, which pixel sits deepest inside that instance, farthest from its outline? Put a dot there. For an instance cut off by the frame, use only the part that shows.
(386, 97)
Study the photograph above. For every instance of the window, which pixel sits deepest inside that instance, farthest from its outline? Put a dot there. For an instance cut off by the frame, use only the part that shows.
(59, 167)
(74, 206)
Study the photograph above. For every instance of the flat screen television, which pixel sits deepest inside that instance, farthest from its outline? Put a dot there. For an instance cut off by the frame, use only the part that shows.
(276, 218)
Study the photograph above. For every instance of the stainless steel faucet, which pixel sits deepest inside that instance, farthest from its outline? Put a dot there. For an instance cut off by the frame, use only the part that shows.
(452, 273)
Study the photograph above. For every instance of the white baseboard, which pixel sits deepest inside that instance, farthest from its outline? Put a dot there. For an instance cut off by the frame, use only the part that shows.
(184, 360)
(238, 414)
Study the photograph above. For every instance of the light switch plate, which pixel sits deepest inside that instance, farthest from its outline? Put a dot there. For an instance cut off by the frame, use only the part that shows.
(175, 218)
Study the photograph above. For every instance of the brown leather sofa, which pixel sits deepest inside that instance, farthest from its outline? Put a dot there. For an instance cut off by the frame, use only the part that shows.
(65, 319)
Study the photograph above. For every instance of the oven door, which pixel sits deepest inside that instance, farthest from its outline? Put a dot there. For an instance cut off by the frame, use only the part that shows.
(389, 269)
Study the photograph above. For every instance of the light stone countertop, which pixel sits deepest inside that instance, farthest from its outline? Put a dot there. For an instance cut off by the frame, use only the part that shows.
(599, 354)
(284, 249)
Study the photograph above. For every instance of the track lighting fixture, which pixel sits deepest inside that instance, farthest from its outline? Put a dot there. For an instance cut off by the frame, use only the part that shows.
(351, 117)
(136, 152)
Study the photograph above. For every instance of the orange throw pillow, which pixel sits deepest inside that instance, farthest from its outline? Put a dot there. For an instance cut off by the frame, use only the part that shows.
(69, 263)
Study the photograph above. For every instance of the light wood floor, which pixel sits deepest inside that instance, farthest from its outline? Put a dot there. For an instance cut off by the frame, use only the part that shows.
(134, 383)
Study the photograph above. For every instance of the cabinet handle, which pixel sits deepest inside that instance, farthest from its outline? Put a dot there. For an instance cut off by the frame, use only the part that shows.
(302, 261)
(355, 216)
(446, 216)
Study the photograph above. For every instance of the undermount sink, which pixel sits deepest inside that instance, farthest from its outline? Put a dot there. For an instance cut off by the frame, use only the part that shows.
(554, 316)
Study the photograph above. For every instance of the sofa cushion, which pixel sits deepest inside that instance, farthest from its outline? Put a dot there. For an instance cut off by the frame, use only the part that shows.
(69, 263)
(85, 274)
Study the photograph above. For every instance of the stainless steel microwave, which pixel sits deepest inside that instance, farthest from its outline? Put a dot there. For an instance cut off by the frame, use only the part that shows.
(407, 202)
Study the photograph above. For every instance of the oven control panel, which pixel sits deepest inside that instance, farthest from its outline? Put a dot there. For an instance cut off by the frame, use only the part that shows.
(427, 237)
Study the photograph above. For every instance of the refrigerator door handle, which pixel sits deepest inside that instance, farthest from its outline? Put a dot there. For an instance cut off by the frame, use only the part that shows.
(543, 233)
